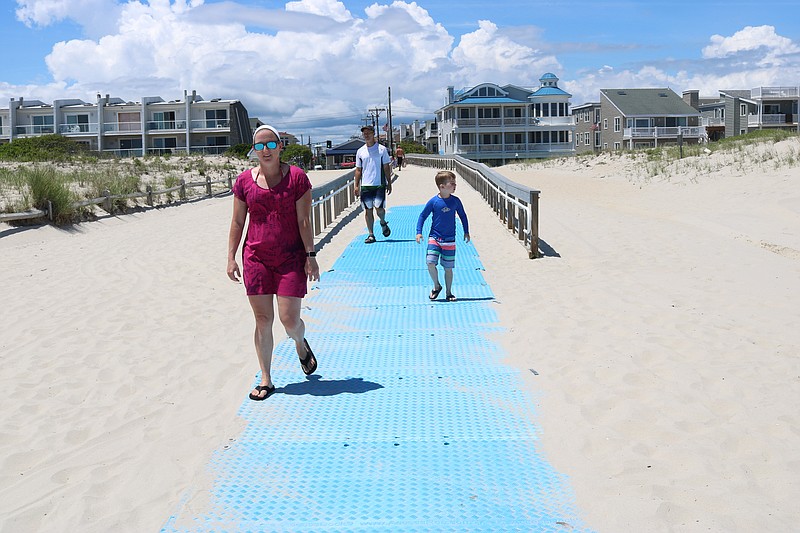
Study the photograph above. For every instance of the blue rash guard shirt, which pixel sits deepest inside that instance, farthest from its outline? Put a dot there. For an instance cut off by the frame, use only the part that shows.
(443, 225)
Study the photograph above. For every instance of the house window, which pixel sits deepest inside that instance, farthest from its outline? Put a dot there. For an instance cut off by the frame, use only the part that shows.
(165, 142)
(463, 112)
(129, 122)
(586, 138)
(617, 123)
(216, 118)
(743, 110)
(43, 124)
(616, 145)
(605, 123)
(597, 139)
(130, 144)
(464, 138)
(77, 123)
(163, 121)
(217, 141)
(489, 138)
(597, 116)
(489, 112)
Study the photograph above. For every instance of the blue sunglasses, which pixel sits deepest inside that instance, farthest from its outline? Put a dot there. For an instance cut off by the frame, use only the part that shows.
(269, 144)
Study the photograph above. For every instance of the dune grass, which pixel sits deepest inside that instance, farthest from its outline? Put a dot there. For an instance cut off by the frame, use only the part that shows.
(51, 168)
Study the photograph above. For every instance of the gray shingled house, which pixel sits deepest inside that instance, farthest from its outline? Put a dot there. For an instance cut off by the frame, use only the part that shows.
(646, 118)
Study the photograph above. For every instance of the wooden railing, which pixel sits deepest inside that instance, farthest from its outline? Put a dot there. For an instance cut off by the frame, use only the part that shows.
(516, 205)
(328, 200)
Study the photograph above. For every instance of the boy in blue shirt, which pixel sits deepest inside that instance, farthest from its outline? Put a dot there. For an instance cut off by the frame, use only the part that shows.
(442, 238)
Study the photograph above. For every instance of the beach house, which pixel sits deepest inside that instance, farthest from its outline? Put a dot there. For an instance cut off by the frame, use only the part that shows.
(587, 127)
(125, 128)
(496, 125)
(646, 118)
(761, 108)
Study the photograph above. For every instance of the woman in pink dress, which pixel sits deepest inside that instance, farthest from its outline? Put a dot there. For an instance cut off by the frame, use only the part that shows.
(278, 256)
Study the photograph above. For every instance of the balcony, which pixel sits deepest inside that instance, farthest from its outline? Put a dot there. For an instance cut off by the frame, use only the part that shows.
(5, 131)
(34, 129)
(779, 119)
(775, 92)
(515, 149)
(713, 121)
(122, 127)
(211, 124)
(688, 132)
(73, 129)
(513, 122)
(166, 125)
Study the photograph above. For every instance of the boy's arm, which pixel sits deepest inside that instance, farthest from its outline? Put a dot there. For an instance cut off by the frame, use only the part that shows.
(463, 216)
(426, 211)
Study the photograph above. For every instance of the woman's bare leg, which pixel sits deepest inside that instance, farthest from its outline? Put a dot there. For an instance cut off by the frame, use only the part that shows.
(264, 313)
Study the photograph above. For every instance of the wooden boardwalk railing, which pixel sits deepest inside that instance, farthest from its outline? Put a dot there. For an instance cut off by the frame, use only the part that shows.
(328, 200)
(516, 205)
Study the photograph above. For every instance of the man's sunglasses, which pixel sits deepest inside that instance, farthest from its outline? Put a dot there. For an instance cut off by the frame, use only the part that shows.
(269, 144)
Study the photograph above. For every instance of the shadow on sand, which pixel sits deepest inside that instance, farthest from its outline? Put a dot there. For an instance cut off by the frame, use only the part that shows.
(316, 386)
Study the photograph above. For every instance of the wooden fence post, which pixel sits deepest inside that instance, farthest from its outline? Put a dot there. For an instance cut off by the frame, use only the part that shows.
(208, 185)
(107, 202)
(534, 223)
(182, 192)
(149, 190)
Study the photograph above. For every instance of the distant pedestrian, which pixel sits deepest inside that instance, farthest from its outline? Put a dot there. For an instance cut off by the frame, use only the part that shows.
(401, 157)
(278, 255)
(442, 238)
(373, 181)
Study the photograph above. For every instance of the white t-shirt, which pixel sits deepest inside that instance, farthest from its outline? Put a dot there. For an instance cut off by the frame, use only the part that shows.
(370, 159)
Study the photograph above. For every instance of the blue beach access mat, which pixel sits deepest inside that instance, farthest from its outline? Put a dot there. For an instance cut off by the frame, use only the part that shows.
(411, 423)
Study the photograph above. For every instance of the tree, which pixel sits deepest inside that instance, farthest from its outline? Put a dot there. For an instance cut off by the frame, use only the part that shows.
(411, 147)
(298, 154)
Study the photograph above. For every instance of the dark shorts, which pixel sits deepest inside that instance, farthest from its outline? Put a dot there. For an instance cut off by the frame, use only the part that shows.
(373, 198)
(288, 279)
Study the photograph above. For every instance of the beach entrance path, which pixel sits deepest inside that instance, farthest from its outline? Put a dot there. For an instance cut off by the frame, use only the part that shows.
(412, 422)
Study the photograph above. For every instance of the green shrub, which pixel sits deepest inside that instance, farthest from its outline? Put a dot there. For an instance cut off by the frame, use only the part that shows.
(43, 148)
(238, 150)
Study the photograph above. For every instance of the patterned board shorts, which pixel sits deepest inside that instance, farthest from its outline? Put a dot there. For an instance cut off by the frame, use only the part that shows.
(443, 253)
(373, 198)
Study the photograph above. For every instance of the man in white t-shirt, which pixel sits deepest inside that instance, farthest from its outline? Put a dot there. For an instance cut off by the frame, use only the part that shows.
(373, 181)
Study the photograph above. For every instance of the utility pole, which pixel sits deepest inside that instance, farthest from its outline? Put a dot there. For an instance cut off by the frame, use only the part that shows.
(391, 132)
(377, 123)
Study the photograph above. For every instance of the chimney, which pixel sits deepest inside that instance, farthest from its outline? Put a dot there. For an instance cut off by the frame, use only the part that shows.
(450, 94)
(692, 98)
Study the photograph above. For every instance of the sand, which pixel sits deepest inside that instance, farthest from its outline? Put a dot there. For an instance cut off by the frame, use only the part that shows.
(661, 327)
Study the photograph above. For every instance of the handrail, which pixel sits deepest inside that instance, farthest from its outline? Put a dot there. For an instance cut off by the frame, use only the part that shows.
(516, 205)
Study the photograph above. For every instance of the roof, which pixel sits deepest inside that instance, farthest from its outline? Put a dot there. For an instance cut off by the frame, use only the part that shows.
(548, 76)
(737, 93)
(649, 102)
(550, 91)
(488, 100)
(346, 148)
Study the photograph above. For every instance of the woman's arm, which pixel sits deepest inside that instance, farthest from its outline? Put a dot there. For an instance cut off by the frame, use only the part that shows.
(235, 237)
(303, 206)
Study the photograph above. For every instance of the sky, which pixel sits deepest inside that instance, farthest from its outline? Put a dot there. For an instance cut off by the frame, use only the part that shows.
(314, 68)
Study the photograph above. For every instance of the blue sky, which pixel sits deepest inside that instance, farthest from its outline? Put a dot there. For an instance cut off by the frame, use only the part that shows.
(314, 67)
